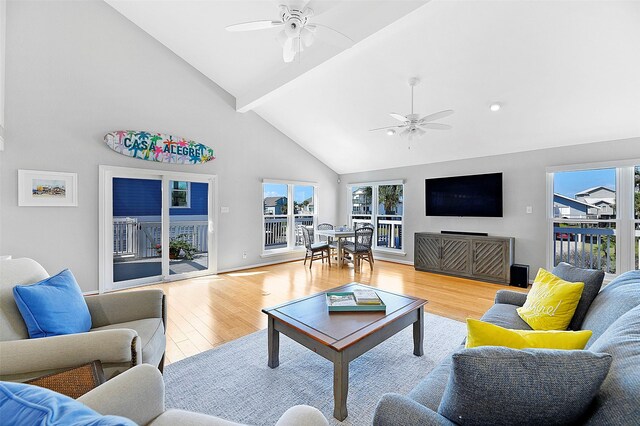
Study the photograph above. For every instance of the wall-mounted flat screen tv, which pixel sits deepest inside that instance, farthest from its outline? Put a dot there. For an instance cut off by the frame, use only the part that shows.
(472, 195)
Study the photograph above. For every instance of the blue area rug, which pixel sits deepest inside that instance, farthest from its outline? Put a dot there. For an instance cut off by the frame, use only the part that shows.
(234, 382)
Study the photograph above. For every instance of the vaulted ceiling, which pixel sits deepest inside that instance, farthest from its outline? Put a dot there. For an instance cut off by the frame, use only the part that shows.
(565, 72)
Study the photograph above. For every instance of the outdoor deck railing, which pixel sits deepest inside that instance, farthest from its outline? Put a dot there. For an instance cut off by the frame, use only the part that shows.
(275, 231)
(132, 238)
(592, 248)
(388, 232)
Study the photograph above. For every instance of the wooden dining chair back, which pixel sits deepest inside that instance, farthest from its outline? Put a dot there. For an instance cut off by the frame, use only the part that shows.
(313, 251)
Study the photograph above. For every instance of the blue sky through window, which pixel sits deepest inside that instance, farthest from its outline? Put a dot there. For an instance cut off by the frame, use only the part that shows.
(300, 193)
(572, 182)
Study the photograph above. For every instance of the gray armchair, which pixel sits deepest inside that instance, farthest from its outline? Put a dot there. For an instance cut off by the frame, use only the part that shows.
(127, 329)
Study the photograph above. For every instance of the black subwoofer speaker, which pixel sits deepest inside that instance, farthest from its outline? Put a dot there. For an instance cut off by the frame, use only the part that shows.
(520, 275)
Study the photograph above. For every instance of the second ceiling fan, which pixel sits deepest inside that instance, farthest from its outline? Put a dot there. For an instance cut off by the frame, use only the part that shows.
(412, 125)
(297, 32)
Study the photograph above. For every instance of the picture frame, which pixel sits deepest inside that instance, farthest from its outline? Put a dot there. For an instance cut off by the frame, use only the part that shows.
(39, 188)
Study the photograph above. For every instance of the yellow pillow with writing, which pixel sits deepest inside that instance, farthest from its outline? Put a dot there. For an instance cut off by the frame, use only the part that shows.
(551, 302)
(480, 333)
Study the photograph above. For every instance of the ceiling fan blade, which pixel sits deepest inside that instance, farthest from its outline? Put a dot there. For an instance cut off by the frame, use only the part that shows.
(436, 116)
(288, 53)
(307, 37)
(420, 132)
(436, 126)
(384, 128)
(254, 25)
(282, 38)
(406, 131)
(399, 117)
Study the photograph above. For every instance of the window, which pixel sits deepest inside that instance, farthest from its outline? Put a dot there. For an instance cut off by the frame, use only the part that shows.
(180, 194)
(286, 206)
(387, 218)
(594, 221)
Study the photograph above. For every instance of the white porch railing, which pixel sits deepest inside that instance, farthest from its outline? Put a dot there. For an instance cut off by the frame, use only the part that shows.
(132, 238)
(275, 231)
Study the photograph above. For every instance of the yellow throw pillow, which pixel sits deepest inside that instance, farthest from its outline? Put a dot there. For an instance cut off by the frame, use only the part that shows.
(551, 302)
(481, 333)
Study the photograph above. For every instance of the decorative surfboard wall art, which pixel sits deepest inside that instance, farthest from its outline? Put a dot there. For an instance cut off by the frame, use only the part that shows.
(158, 147)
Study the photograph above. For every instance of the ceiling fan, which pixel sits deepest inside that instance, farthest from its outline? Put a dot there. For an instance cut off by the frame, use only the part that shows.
(412, 125)
(297, 33)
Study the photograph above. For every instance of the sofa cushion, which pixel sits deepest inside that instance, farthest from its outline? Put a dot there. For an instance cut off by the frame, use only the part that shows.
(15, 272)
(592, 279)
(551, 302)
(151, 334)
(53, 307)
(429, 391)
(500, 386)
(614, 300)
(22, 404)
(481, 333)
(505, 315)
(618, 401)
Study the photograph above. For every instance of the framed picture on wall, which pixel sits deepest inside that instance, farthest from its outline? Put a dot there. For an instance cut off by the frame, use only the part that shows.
(39, 188)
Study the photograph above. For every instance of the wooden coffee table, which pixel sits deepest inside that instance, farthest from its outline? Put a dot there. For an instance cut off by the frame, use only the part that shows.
(341, 337)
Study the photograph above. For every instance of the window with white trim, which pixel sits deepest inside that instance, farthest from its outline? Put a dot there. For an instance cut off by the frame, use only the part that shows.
(286, 206)
(180, 194)
(382, 205)
(594, 219)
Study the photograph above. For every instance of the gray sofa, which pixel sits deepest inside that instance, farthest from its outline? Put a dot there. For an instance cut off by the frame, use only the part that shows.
(614, 318)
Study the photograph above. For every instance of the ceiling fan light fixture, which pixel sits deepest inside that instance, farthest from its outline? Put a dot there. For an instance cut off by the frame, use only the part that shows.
(391, 132)
(495, 107)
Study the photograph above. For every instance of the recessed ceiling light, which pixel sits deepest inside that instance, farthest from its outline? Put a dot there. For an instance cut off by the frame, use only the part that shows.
(391, 132)
(495, 107)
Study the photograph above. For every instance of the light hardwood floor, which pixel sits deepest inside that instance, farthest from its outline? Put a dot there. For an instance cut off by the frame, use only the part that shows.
(206, 312)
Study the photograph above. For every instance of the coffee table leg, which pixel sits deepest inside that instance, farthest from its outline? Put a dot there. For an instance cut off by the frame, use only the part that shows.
(274, 345)
(340, 386)
(418, 333)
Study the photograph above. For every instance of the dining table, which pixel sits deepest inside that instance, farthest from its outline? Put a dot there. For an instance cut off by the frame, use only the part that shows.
(338, 234)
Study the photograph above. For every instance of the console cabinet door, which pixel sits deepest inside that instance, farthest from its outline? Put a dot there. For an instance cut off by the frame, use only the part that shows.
(490, 259)
(427, 252)
(456, 258)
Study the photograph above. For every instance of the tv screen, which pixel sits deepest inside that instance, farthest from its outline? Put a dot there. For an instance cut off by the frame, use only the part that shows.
(473, 195)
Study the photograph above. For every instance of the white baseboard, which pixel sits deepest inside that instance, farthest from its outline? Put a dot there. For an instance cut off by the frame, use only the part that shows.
(393, 260)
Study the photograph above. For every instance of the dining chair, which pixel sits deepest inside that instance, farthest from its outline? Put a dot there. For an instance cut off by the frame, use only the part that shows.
(360, 248)
(332, 244)
(360, 225)
(320, 250)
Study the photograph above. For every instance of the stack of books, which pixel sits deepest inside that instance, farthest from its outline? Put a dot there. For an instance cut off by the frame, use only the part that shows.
(366, 297)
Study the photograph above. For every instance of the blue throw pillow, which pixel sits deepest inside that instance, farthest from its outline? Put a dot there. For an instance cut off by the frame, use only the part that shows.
(493, 385)
(53, 306)
(22, 404)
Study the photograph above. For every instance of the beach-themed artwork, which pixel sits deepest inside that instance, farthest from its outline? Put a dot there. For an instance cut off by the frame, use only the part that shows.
(158, 147)
(43, 188)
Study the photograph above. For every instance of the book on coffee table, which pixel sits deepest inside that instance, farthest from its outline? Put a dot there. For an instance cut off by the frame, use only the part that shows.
(366, 297)
(346, 301)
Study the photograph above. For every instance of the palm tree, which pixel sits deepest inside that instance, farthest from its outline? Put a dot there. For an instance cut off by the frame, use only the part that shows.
(389, 196)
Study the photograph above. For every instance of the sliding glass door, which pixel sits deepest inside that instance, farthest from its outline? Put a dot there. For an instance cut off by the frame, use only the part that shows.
(155, 226)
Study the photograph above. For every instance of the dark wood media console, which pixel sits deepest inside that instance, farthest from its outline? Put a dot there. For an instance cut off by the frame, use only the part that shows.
(469, 256)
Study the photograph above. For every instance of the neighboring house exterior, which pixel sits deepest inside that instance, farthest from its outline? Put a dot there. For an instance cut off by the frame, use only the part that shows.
(275, 205)
(362, 201)
(602, 197)
(593, 203)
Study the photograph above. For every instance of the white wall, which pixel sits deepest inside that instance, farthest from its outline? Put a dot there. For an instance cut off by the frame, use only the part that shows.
(524, 184)
(3, 32)
(76, 70)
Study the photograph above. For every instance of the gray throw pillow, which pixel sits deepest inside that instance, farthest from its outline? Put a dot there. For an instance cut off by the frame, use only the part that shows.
(592, 279)
(501, 386)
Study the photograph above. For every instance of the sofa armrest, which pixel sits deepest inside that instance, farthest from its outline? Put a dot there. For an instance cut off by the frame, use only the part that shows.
(137, 394)
(70, 350)
(510, 297)
(398, 410)
(114, 308)
(302, 415)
